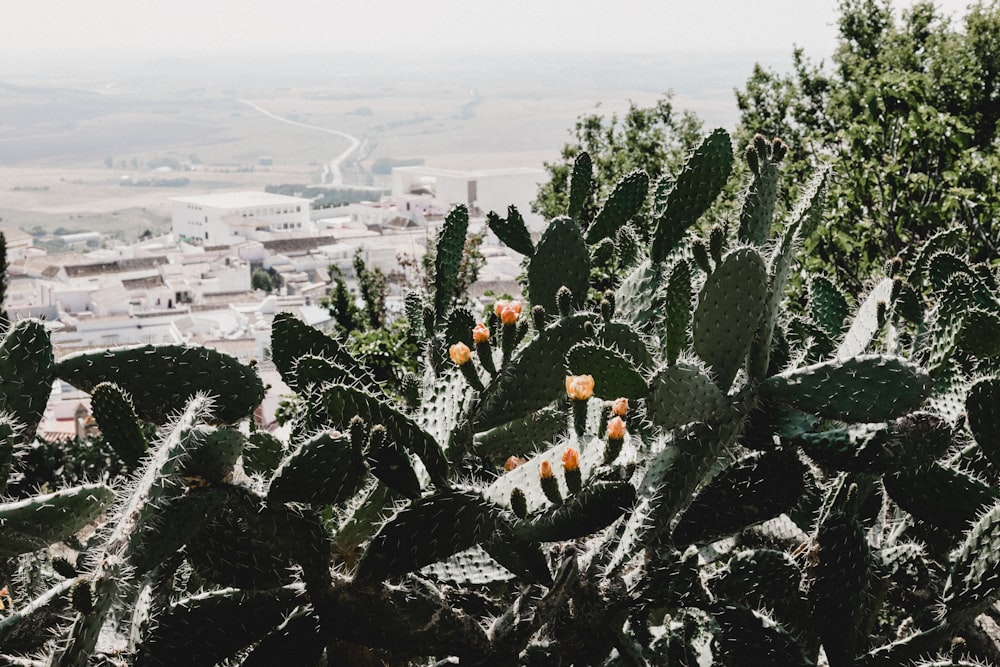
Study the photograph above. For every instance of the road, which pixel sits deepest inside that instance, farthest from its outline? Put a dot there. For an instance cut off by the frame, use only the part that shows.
(332, 170)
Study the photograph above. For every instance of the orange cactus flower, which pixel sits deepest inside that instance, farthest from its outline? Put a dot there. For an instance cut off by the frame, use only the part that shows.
(460, 353)
(571, 459)
(579, 387)
(616, 428)
(480, 334)
(545, 470)
(513, 462)
(620, 407)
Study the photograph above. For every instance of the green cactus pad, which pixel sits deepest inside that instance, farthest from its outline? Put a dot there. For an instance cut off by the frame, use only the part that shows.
(291, 339)
(162, 378)
(940, 495)
(530, 380)
(343, 402)
(828, 306)
(856, 448)
(865, 324)
(561, 259)
(951, 238)
(512, 231)
(448, 260)
(980, 333)
(211, 455)
(579, 186)
(174, 521)
(251, 544)
(696, 187)
(118, 422)
(614, 375)
(263, 453)
(974, 581)
(592, 509)
(638, 298)
(676, 311)
(681, 394)
(729, 310)
(758, 203)
(801, 223)
(624, 202)
(752, 490)
(26, 628)
(622, 337)
(943, 265)
(323, 470)
(523, 558)
(37, 522)
(389, 462)
(445, 399)
(982, 406)
(297, 641)
(746, 639)
(427, 530)
(459, 328)
(861, 389)
(840, 584)
(207, 629)
(763, 579)
(472, 567)
(10, 435)
(520, 436)
(26, 373)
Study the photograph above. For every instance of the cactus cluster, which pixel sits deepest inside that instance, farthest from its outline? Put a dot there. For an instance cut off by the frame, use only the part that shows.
(693, 467)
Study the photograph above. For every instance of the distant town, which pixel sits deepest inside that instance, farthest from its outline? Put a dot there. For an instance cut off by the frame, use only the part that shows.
(194, 285)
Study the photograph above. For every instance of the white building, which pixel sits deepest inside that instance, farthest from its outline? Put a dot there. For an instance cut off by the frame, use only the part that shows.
(485, 189)
(232, 217)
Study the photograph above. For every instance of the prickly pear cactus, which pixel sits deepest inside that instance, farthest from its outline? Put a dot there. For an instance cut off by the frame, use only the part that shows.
(695, 463)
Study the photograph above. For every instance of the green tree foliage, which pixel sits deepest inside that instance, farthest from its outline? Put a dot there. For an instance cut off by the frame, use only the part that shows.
(261, 279)
(374, 288)
(654, 139)
(907, 113)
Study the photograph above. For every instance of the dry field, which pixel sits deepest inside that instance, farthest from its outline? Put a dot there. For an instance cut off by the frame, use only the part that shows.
(56, 135)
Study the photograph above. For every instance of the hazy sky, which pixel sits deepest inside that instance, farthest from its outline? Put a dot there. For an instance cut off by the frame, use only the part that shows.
(47, 29)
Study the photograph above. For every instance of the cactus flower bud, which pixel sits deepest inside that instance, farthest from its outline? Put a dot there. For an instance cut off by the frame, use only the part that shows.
(509, 315)
(579, 387)
(480, 334)
(620, 407)
(460, 354)
(513, 462)
(571, 459)
(616, 428)
(571, 468)
(550, 486)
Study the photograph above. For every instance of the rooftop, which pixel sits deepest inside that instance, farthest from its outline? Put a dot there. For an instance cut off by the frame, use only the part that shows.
(243, 199)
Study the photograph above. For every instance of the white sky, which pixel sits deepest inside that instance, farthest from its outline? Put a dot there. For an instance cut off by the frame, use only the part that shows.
(46, 29)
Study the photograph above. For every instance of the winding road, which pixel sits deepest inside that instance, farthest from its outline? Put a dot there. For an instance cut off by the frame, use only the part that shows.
(333, 169)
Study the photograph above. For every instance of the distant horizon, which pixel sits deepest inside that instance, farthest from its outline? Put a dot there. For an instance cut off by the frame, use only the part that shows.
(50, 31)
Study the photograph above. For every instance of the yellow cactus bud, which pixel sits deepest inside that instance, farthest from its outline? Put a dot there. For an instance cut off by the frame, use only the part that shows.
(513, 462)
(460, 353)
(545, 470)
(579, 387)
(620, 407)
(571, 459)
(480, 334)
(616, 428)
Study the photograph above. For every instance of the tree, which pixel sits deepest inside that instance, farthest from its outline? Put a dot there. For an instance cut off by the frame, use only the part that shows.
(374, 288)
(340, 303)
(908, 115)
(655, 139)
(261, 279)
